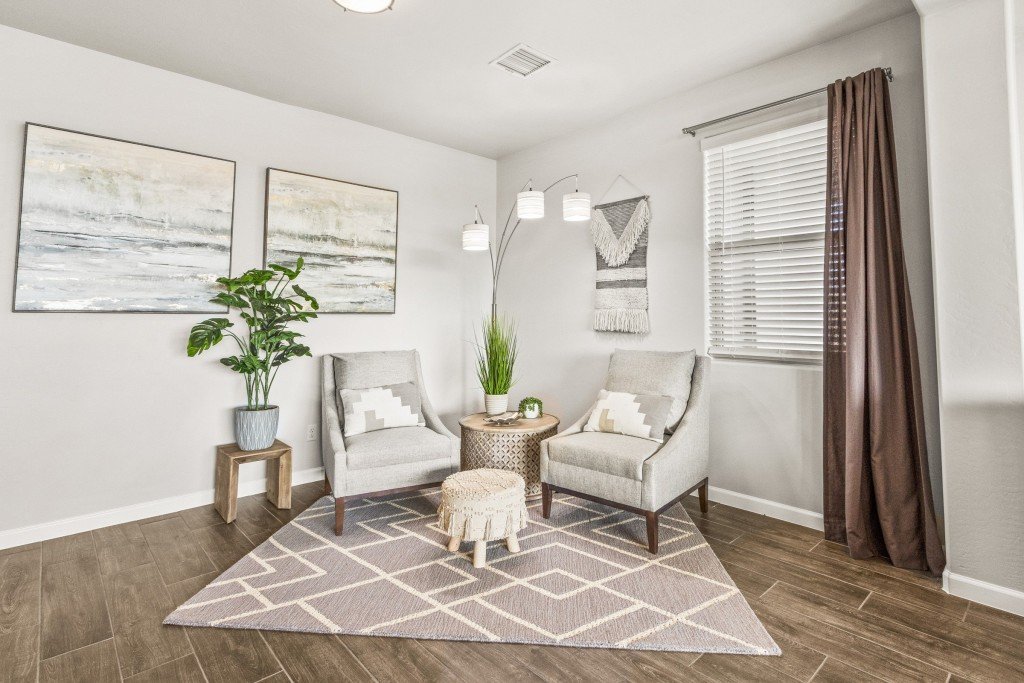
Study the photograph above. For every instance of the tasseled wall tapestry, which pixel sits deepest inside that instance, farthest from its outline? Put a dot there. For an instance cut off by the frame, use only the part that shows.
(620, 235)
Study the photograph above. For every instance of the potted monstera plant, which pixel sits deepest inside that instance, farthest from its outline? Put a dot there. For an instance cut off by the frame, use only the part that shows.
(268, 301)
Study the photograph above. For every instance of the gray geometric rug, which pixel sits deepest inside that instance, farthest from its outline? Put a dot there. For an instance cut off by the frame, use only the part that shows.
(583, 578)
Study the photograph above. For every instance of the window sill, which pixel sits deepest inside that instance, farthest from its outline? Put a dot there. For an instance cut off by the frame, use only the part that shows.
(761, 360)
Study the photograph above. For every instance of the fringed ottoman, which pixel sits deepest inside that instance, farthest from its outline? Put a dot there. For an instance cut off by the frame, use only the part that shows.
(483, 505)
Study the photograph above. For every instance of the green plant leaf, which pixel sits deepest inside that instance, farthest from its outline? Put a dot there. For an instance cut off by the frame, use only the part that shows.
(288, 272)
(206, 334)
(496, 356)
(305, 295)
(256, 276)
(229, 300)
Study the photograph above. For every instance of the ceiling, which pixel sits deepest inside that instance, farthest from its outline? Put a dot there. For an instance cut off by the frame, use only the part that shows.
(422, 69)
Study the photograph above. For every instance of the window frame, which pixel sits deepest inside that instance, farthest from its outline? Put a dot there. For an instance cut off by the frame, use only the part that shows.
(766, 125)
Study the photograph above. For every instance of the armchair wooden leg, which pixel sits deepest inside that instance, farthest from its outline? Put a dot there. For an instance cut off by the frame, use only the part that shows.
(702, 493)
(652, 531)
(339, 516)
(545, 499)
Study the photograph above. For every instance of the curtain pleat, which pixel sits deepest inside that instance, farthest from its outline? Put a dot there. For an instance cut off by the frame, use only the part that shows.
(877, 495)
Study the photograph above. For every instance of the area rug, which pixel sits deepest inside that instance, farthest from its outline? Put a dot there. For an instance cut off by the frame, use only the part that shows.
(583, 578)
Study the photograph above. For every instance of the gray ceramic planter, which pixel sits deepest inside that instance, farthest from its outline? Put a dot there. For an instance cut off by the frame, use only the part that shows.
(256, 429)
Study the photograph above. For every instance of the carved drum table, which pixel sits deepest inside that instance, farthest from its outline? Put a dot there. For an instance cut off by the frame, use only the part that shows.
(515, 448)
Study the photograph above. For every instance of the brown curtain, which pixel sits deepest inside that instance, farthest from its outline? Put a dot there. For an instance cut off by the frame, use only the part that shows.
(878, 498)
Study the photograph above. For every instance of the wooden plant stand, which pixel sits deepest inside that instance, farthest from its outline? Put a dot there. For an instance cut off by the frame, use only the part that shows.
(279, 476)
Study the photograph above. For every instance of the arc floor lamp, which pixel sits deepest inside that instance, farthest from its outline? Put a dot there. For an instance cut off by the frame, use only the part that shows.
(476, 236)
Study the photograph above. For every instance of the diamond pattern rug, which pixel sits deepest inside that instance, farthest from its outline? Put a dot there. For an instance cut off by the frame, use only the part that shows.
(583, 578)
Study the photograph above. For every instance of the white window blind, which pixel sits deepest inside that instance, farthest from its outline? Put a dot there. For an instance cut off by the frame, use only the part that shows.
(764, 213)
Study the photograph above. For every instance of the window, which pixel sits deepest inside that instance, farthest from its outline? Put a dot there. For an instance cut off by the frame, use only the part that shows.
(764, 218)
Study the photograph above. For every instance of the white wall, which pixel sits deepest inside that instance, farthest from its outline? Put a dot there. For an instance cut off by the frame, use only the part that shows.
(766, 419)
(99, 411)
(974, 171)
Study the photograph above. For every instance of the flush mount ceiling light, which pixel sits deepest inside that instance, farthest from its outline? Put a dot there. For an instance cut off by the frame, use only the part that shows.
(365, 6)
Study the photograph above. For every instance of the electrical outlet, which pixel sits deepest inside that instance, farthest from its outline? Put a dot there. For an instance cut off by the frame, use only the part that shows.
(311, 433)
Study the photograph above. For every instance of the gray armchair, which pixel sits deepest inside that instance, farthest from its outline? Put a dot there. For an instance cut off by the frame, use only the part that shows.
(387, 460)
(627, 472)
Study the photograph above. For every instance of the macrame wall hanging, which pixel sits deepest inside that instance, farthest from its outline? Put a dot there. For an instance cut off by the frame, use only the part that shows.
(619, 229)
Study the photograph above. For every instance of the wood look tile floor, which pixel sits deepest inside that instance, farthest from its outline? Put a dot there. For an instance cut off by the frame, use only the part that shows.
(89, 607)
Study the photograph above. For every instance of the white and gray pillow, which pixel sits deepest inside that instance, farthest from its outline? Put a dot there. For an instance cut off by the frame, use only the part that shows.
(394, 405)
(641, 415)
(661, 373)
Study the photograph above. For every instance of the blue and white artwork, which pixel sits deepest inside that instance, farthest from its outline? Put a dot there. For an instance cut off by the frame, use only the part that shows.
(109, 225)
(347, 234)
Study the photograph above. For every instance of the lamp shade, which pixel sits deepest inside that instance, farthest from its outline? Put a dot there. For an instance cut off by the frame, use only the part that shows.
(530, 204)
(576, 206)
(366, 6)
(476, 237)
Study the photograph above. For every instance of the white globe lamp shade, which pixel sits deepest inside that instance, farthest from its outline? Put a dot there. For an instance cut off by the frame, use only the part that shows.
(576, 206)
(476, 237)
(530, 205)
(365, 6)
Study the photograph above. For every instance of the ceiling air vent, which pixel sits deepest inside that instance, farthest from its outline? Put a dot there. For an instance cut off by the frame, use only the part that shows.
(522, 60)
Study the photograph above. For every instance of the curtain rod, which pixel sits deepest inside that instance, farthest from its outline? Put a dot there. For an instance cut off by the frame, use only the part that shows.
(692, 130)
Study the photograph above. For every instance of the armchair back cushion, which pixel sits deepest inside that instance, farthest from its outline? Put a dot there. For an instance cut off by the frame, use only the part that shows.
(662, 373)
(362, 369)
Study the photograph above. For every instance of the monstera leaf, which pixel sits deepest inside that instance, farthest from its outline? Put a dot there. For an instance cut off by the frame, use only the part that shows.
(206, 334)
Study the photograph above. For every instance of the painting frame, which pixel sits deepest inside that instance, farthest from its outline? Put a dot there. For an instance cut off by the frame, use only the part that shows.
(211, 309)
(266, 234)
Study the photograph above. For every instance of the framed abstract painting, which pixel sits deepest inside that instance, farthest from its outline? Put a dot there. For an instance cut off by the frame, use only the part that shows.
(109, 225)
(347, 234)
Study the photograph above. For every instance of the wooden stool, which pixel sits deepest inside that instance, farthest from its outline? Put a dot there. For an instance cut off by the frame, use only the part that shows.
(279, 476)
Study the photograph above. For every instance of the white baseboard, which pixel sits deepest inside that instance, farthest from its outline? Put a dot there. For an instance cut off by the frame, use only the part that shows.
(787, 513)
(993, 595)
(130, 513)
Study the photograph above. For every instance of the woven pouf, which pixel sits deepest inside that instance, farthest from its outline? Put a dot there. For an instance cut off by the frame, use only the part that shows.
(483, 505)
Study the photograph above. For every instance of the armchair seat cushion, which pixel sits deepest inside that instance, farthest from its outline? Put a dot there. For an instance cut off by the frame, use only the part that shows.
(615, 454)
(395, 446)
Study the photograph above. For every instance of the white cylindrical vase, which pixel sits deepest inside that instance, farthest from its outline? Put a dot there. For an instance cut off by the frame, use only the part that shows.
(495, 404)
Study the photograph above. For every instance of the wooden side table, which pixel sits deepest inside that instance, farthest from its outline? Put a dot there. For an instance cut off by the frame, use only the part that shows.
(515, 448)
(279, 476)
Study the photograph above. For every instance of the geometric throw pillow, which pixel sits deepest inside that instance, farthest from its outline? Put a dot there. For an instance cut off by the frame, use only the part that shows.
(367, 410)
(619, 412)
(663, 373)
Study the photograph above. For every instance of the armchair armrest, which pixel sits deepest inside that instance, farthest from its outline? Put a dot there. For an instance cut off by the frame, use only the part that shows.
(575, 428)
(682, 461)
(332, 442)
(432, 419)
